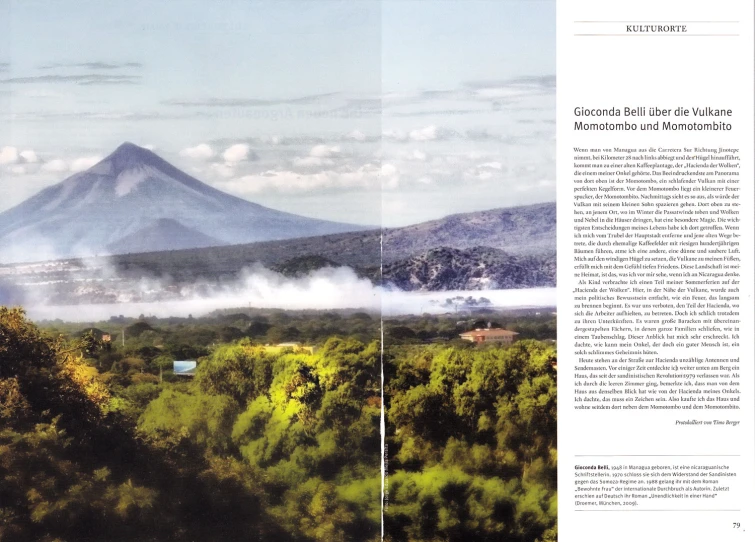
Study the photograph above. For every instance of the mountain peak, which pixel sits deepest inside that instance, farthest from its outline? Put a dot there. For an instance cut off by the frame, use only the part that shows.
(129, 155)
(128, 147)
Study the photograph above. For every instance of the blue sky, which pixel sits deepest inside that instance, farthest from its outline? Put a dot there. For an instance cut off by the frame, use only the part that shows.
(348, 110)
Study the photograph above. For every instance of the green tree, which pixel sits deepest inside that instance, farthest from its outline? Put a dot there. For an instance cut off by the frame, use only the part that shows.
(203, 420)
(241, 371)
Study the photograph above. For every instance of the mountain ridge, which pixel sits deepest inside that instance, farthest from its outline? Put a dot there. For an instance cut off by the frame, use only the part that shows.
(94, 209)
(525, 258)
(363, 248)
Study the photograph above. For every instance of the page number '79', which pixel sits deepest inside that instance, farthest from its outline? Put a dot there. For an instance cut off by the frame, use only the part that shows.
(736, 525)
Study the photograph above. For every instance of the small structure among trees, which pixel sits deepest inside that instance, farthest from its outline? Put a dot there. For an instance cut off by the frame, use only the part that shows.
(185, 368)
(487, 335)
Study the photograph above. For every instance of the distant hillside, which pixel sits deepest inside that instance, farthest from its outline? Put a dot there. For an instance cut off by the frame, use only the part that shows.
(526, 230)
(529, 229)
(163, 234)
(478, 268)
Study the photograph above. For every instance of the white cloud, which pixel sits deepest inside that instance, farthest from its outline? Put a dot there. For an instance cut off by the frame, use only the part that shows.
(389, 176)
(83, 163)
(442, 171)
(312, 161)
(356, 135)
(18, 170)
(428, 133)
(8, 155)
(319, 156)
(491, 165)
(416, 155)
(55, 166)
(273, 140)
(482, 173)
(201, 152)
(11, 155)
(29, 156)
(388, 169)
(398, 135)
(236, 153)
(324, 151)
(284, 181)
(223, 170)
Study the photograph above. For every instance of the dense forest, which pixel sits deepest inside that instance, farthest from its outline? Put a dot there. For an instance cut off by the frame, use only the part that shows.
(472, 443)
(100, 441)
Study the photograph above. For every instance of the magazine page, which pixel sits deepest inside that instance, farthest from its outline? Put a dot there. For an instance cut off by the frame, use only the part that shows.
(279, 271)
(655, 157)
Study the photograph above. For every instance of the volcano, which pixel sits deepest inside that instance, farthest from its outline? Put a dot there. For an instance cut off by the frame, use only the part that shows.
(134, 201)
